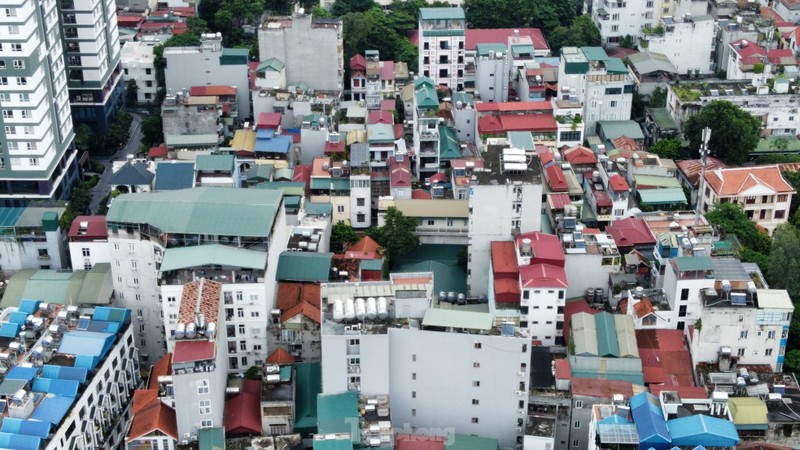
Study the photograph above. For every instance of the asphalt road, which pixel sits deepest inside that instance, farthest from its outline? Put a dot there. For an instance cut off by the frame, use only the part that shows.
(132, 147)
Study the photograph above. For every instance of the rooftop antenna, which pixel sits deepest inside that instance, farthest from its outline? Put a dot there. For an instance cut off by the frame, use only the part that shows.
(703, 160)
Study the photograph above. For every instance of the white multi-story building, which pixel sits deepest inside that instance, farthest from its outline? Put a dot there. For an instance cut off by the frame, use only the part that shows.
(137, 64)
(310, 48)
(88, 242)
(38, 158)
(235, 235)
(492, 73)
(466, 378)
(687, 41)
(441, 41)
(504, 201)
(762, 191)
(685, 278)
(213, 65)
(92, 56)
(619, 18)
(61, 375)
(360, 201)
(602, 84)
(32, 239)
(742, 322)
(426, 127)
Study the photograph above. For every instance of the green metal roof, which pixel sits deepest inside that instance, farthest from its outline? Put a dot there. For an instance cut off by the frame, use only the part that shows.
(522, 49)
(488, 48)
(308, 385)
(463, 97)
(371, 264)
(208, 163)
(333, 444)
(441, 13)
(285, 174)
(340, 184)
(694, 263)
(9, 216)
(203, 210)
(606, 327)
(435, 317)
(261, 172)
(613, 129)
(317, 208)
(448, 144)
(338, 413)
(380, 132)
(211, 438)
(289, 188)
(92, 286)
(466, 442)
(426, 97)
(423, 80)
(521, 140)
(664, 196)
(664, 119)
(206, 255)
(182, 140)
(595, 53)
(234, 56)
(272, 64)
(320, 183)
(304, 266)
(615, 65)
(655, 180)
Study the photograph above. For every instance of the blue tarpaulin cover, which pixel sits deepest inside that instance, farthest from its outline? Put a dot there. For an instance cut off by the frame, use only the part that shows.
(52, 409)
(18, 317)
(65, 373)
(22, 373)
(19, 441)
(8, 329)
(27, 427)
(28, 306)
(66, 388)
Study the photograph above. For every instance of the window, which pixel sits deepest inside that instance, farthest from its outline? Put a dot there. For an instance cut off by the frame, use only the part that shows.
(577, 424)
(743, 334)
(476, 365)
(243, 346)
(684, 294)
(414, 411)
(612, 104)
(206, 423)
(780, 214)
(431, 222)
(13, 29)
(16, 47)
(203, 387)
(614, 28)
(361, 217)
(474, 420)
(24, 98)
(19, 64)
(526, 294)
(740, 352)
(413, 394)
(649, 320)
(414, 357)
(475, 401)
(22, 81)
(771, 334)
(576, 442)
(171, 299)
(240, 312)
(340, 208)
(11, 12)
(414, 375)
(8, 114)
(205, 406)
(11, 130)
(4, 80)
(242, 329)
(256, 347)
(782, 198)
(578, 404)
(476, 383)
(477, 346)
(253, 314)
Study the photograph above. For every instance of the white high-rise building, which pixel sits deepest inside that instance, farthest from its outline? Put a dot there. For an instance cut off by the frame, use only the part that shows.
(36, 135)
(442, 40)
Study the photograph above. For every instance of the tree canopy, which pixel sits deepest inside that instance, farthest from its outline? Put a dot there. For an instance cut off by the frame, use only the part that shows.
(342, 234)
(784, 262)
(581, 33)
(734, 132)
(544, 14)
(398, 234)
(342, 7)
(374, 29)
(731, 219)
(668, 148)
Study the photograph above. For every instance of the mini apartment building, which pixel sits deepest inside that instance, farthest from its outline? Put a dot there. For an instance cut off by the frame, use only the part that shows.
(441, 44)
(32, 239)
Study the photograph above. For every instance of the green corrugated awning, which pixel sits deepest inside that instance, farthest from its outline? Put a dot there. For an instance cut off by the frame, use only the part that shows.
(304, 266)
(338, 413)
(317, 208)
(321, 183)
(469, 442)
(664, 196)
(340, 184)
(451, 318)
(203, 210)
(261, 172)
(371, 264)
(444, 13)
(10, 387)
(289, 188)
(607, 344)
(272, 64)
(210, 163)
(211, 438)
(615, 65)
(234, 56)
(184, 140)
(206, 255)
(292, 201)
(655, 180)
(308, 385)
(694, 263)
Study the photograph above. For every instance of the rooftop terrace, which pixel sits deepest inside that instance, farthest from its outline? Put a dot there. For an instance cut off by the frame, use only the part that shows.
(498, 167)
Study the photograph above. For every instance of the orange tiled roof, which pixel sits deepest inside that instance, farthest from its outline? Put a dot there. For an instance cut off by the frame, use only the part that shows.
(162, 367)
(366, 248)
(156, 416)
(735, 181)
(142, 398)
(625, 143)
(304, 308)
(643, 308)
(299, 298)
(280, 356)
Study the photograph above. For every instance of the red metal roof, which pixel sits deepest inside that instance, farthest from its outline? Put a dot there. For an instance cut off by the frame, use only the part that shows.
(420, 194)
(474, 37)
(665, 357)
(438, 177)
(333, 147)
(358, 62)
(190, 351)
(513, 106)
(545, 155)
(506, 291)
(630, 232)
(546, 248)
(592, 387)
(251, 73)
(559, 201)
(580, 155)
(419, 442)
(387, 70)
(543, 276)
(156, 416)
(602, 199)
(143, 397)
(95, 228)
(400, 172)
(617, 183)
(504, 260)
(563, 370)
(380, 117)
(399, 132)
(781, 56)
(556, 179)
(161, 367)
(124, 21)
(526, 122)
(643, 308)
(268, 120)
(280, 356)
(212, 90)
(388, 105)
(243, 412)
(366, 248)
(691, 168)
(157, 152)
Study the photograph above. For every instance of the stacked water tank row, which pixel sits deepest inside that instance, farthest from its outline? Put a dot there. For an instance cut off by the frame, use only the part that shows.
(460, 298)
(360, 309)
(190, 330)
(595, 295)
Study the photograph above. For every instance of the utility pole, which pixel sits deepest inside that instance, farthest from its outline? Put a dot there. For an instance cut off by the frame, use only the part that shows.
(703, 160)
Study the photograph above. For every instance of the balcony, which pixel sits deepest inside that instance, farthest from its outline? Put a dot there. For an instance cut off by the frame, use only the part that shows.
(353, 349)
(440, 231)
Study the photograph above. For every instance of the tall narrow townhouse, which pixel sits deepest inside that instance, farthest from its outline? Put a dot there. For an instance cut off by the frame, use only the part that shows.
(92, 55)
(36, 135)
(162, 240)
(616, 19)
(442, 41)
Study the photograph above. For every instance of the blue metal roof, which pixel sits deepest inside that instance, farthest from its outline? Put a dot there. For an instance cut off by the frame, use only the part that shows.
(278, 144)
(22, 373)
(110, 314)
(702, 430)
(650, 423)
(18, 317)
(66, 388)
(103, 326)
(64, 373)
(8, 329)
(89, 347)
(52, 409)
(171, 176)
(26, 427)
(19, 441)
(28, 306)
(265, 133)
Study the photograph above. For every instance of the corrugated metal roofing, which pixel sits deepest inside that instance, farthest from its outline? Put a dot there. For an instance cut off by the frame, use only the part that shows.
(173, 175)
(456, 441)
(25, 427)
(749, 413)
(304, 266)
(204, 210)
(205, 255)
(338, 413)
(308, 378)
(435, 317)
(52, 409)
(607, 344)
(700, 429)
(214, 162)
(649, 420)
(66, 388)
(626, 336)
(584, 334)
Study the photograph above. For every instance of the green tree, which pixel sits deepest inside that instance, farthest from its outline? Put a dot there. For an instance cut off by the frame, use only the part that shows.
(252, 373)
(495, 13)
(627, 41)
(320, 12)
(196, 26)
(398, 234)
(793, 178)
(734, 132)
(342, 7)
(638, 105)
(668, 148)
(658, 98)
(731, 219)
(792, 361)
(341, 234)
(152, 130)
(131, 92)
(581, 33)
(779, 144)
(83, 137)
(783, 271)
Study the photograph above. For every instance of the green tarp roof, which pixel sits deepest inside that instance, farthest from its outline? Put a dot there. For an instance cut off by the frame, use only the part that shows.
(488, 48)
(211, 438)
(613, 129)
(308, 386)
(294, 188)
(338, 413)
(447, 318)
(694, 263)
(317, 208)
(467, 442)
(606, 327)
(664, 196)
(92, 286)
(441, 13)
(304, 266)
(615, 65)
(272, 64)
(448, 144)
(203, 210)
(206, 255)
(208, 163)
(664, 119)
(658, 181)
